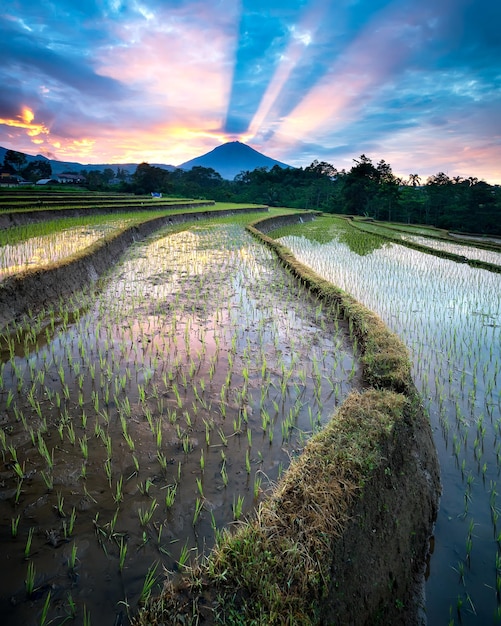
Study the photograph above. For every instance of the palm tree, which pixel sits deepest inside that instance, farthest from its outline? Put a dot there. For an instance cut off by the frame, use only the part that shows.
(414, 180)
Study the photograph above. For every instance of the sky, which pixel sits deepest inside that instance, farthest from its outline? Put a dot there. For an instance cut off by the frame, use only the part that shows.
(416, 83)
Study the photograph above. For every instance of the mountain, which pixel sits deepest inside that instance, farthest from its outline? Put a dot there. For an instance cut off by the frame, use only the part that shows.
(231, 158)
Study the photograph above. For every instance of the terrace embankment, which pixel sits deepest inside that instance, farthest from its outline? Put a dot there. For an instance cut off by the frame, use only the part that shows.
(24, 216)
(279, 221)
(33, 289)
(378, 554)
(345, 536)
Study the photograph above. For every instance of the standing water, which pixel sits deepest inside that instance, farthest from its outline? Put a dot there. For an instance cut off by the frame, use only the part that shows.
(137, 422)
(449, 315)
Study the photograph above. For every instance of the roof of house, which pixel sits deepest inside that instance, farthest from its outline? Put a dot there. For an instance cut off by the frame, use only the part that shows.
(6, 180)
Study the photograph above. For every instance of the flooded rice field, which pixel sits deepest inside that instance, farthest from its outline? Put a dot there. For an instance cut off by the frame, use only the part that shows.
(467, 252)
(138, 421)
(449, 315)
(38, 245)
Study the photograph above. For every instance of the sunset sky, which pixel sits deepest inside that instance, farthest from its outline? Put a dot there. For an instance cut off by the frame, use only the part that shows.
(416, 83)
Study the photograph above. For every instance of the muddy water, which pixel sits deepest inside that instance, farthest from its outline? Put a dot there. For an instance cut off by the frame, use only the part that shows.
(138, 425)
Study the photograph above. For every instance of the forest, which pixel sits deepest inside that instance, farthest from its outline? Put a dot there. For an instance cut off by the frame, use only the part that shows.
(368, 189)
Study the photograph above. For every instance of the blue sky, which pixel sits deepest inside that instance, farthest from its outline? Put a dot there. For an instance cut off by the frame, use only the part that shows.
(417, 84)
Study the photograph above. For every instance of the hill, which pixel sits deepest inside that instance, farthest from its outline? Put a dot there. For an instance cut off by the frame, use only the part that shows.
(58, 167)
(231, 158)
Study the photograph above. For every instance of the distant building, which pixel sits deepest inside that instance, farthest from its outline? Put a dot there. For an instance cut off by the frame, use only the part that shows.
(46, 181)
(6, 177)
(67, 177)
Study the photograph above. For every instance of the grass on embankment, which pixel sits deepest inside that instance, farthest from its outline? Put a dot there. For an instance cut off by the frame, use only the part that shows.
(287, 566)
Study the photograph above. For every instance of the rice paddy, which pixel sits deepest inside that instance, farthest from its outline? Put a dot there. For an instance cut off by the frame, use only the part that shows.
(43, 243)
(434, 239)
(467, 252)
(139, 420)
(449, 315)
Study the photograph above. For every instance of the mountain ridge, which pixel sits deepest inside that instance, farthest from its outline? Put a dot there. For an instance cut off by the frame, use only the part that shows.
(228, 159)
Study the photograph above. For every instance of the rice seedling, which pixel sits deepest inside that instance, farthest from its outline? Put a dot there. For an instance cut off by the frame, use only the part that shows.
(144, 488)
(112, 365)
(29, 581)
(45, 609)
(27, 547)
(48, 480)
(108, 470)
(429, 302)
(183, 556)
(122, 553)
(44, 452)
(60, 505)
(86, 616)
(148, 584)
(257, 486)
(224, 475)
(162, 460)
(146, 515)
(237, 507)
(14, 526)
(247, 462)
(170, 496)
(72, 559)
(198, 509)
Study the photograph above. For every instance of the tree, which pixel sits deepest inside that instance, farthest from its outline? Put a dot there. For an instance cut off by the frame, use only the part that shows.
(15, 159)
(35, 170)
(122, 173)
(94, 180)
(148, 178)
(438, 195)
(321, 169)
(203, 177)
(483, 210)
(360, 187)
(108, 175)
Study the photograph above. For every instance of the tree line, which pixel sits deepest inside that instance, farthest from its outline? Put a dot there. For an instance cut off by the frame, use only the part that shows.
(367, 189)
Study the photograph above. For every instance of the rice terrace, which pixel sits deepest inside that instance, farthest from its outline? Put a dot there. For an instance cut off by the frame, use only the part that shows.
(216, 413)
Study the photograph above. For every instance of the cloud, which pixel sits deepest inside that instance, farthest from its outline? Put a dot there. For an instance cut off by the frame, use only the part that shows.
(166, 80)
(151, 75)
(32, 54)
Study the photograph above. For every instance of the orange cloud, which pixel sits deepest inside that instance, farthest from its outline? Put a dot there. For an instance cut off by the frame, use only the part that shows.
(24, 121)
(27, 115)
